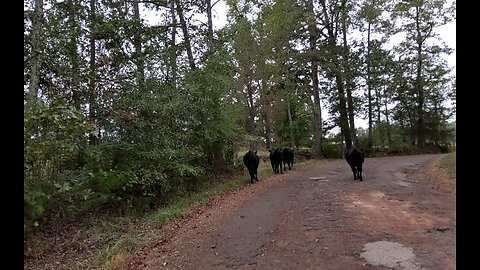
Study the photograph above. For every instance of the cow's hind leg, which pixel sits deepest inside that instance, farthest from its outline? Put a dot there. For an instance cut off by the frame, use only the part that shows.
(354, 170)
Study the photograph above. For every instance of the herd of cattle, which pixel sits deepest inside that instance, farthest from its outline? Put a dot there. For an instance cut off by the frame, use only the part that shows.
(278, 157)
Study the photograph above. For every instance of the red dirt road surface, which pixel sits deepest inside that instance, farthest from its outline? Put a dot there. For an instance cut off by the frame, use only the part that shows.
(402, 216)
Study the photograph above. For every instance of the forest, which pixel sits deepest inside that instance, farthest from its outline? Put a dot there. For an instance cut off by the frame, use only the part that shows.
(124, 114)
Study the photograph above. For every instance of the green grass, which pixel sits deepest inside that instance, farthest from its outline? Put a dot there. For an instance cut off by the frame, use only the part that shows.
(112, 255)
(182, 206)
(129, 233)
(168, 213)
(449, 163)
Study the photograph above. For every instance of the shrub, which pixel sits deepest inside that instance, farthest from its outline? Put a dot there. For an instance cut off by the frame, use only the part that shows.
(332, 150)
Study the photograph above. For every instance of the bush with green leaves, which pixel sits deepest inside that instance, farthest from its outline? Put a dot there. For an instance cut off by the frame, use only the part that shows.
(332, 150)
(53, 134)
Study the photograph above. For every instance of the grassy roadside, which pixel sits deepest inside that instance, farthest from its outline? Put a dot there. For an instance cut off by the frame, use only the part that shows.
(126, 234)
(449, 163)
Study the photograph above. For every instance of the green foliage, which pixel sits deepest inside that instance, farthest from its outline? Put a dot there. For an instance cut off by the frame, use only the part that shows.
(332, 150)
(154, 145)
(212, 120)
(300, 127)
(52, 135)
(400, 142)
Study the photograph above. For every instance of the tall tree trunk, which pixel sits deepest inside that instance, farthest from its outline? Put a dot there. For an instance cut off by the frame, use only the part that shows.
(186, 36)
(369, 89)
(344, 127)
(419, 79)
(137, 39)
(411, 121)
(290, 122)
(413, 133)
(92, 83)
(173, 46)
(268, 132)
(35, 62)
(436, 128)
(317, 111)
(389, 136)
(418, 84)
(75, 71)
(348, 76)
(75, 85)
(333, 55)
(379, 112)
(219, 159)
(251, 113)
(210, 27)
(266, 116)
(378, 103)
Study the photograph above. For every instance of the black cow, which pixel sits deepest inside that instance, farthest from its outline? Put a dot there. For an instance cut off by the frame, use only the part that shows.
(251, 161)
(355, 158)
(287, 158)
(276, 159)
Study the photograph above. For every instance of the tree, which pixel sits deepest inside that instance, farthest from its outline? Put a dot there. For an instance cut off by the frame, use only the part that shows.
(186, 35)
(93, 72)
(317, 116)
(370, 12)
(245, 48)
(36, 52)
(419, 20)
(348, 71)
(329, 20)
(137, 40)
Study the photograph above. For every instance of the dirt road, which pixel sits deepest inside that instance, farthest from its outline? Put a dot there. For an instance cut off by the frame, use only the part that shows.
(400, 217)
